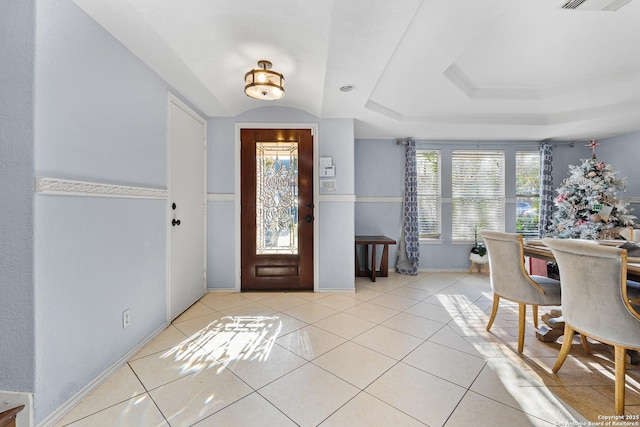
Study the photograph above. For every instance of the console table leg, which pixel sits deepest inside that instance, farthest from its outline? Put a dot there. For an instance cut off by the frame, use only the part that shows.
(366, 259)
(384, 262)
(373, 262)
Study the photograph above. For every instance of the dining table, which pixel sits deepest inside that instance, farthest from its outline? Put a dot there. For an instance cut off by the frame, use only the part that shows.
(535, 248)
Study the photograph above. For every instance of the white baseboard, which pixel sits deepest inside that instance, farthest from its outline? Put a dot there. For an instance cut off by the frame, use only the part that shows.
(11, 399)
(444, 270)
(212, 290)
(62, 410)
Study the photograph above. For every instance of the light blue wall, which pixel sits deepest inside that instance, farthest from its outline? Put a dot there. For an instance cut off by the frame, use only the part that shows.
(337, 225)
(622, 153)
(100, 116)
(95, 257)
(379, 173)
(17, 332)
(335, 139)
(221, 272)
(101, 113)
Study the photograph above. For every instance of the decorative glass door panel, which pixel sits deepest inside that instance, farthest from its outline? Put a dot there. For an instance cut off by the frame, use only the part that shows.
(276, 198)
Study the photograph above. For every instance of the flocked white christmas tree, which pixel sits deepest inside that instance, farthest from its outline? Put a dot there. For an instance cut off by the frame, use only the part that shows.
(586, 206)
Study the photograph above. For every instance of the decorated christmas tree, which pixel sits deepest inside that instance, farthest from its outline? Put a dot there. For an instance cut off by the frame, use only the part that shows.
(586, 206)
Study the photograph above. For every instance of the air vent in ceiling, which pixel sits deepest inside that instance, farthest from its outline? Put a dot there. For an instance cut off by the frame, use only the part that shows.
(608, 5)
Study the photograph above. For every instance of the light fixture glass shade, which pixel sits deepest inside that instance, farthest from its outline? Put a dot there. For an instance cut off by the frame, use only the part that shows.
(262, 83)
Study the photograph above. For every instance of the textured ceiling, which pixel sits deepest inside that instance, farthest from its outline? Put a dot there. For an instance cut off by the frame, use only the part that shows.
(431, 69)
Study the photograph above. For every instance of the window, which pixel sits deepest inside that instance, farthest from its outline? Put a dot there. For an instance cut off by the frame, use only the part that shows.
(428, 172)
(477, 192)
(527, 193)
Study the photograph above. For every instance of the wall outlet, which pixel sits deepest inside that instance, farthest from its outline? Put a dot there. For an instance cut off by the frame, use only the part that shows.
(126, 318)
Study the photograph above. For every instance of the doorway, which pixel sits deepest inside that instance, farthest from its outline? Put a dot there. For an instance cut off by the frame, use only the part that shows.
(277, 209)
(186, 208)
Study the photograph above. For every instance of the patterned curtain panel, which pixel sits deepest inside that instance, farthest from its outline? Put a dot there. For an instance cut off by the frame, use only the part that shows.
(547, 192)
(409, 247)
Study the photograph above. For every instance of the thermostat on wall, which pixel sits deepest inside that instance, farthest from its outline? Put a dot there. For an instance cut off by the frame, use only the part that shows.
(325, 162)
(327, 171)
(326, 167)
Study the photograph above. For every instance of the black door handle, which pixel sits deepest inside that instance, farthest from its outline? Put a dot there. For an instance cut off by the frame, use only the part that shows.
(175, 222)
(308, 218)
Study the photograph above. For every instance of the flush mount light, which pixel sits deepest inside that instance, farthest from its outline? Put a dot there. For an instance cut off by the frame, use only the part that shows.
(262, 83)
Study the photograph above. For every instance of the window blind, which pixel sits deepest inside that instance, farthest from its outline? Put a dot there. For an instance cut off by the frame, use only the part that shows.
(478, 192)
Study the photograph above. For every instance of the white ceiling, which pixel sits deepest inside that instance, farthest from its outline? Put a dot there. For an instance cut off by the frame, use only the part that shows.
(430, 69)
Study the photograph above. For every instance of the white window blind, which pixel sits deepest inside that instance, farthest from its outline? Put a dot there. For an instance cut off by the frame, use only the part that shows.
(527, 192)
(429, 198)
(477, 192)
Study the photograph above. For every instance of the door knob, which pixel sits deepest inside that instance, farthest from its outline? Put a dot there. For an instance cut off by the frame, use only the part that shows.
(308, 218)
(173, 206)
(175, 222)
(309, 205)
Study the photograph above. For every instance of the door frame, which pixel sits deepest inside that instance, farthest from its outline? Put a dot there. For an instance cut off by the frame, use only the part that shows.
(316, 194)
(172, 99)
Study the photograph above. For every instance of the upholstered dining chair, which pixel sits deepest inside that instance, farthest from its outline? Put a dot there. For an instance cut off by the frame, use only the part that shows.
(595, 302)
(510, 280)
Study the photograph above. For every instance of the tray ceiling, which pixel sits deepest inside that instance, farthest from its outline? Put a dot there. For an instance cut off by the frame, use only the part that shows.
(431, 69)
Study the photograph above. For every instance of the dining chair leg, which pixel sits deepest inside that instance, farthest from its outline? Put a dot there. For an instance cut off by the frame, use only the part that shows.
(566, 347)
(534, 308)
(494, 310)
(522, 310)
(585, 343)
(620, 356)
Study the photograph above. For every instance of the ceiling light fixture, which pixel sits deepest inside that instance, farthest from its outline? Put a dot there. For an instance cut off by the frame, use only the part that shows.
(262, 83)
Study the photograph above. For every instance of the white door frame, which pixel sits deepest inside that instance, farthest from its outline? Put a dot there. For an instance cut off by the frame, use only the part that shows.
(172, 99)
(316, 194)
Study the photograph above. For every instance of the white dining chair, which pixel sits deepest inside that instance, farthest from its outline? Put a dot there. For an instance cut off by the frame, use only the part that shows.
(595, 302)
(510, 280)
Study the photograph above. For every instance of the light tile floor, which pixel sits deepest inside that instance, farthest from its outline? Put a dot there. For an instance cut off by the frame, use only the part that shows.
(404, 351)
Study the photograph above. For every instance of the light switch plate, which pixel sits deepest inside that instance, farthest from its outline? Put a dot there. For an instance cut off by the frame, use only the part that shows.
(328, 185)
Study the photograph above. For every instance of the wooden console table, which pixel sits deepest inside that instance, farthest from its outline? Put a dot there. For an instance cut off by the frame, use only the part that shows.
(372, 272)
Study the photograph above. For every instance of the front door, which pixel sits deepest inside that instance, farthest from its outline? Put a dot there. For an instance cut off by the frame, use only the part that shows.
(276, 209)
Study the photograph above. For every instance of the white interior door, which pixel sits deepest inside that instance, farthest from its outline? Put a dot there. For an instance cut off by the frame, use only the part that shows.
(186, 208)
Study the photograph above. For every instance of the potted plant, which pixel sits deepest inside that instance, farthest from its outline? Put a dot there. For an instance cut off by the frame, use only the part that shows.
(478, 251)
(478, 254)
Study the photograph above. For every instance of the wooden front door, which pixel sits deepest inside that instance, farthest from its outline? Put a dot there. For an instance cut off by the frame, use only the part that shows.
(276, 209)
